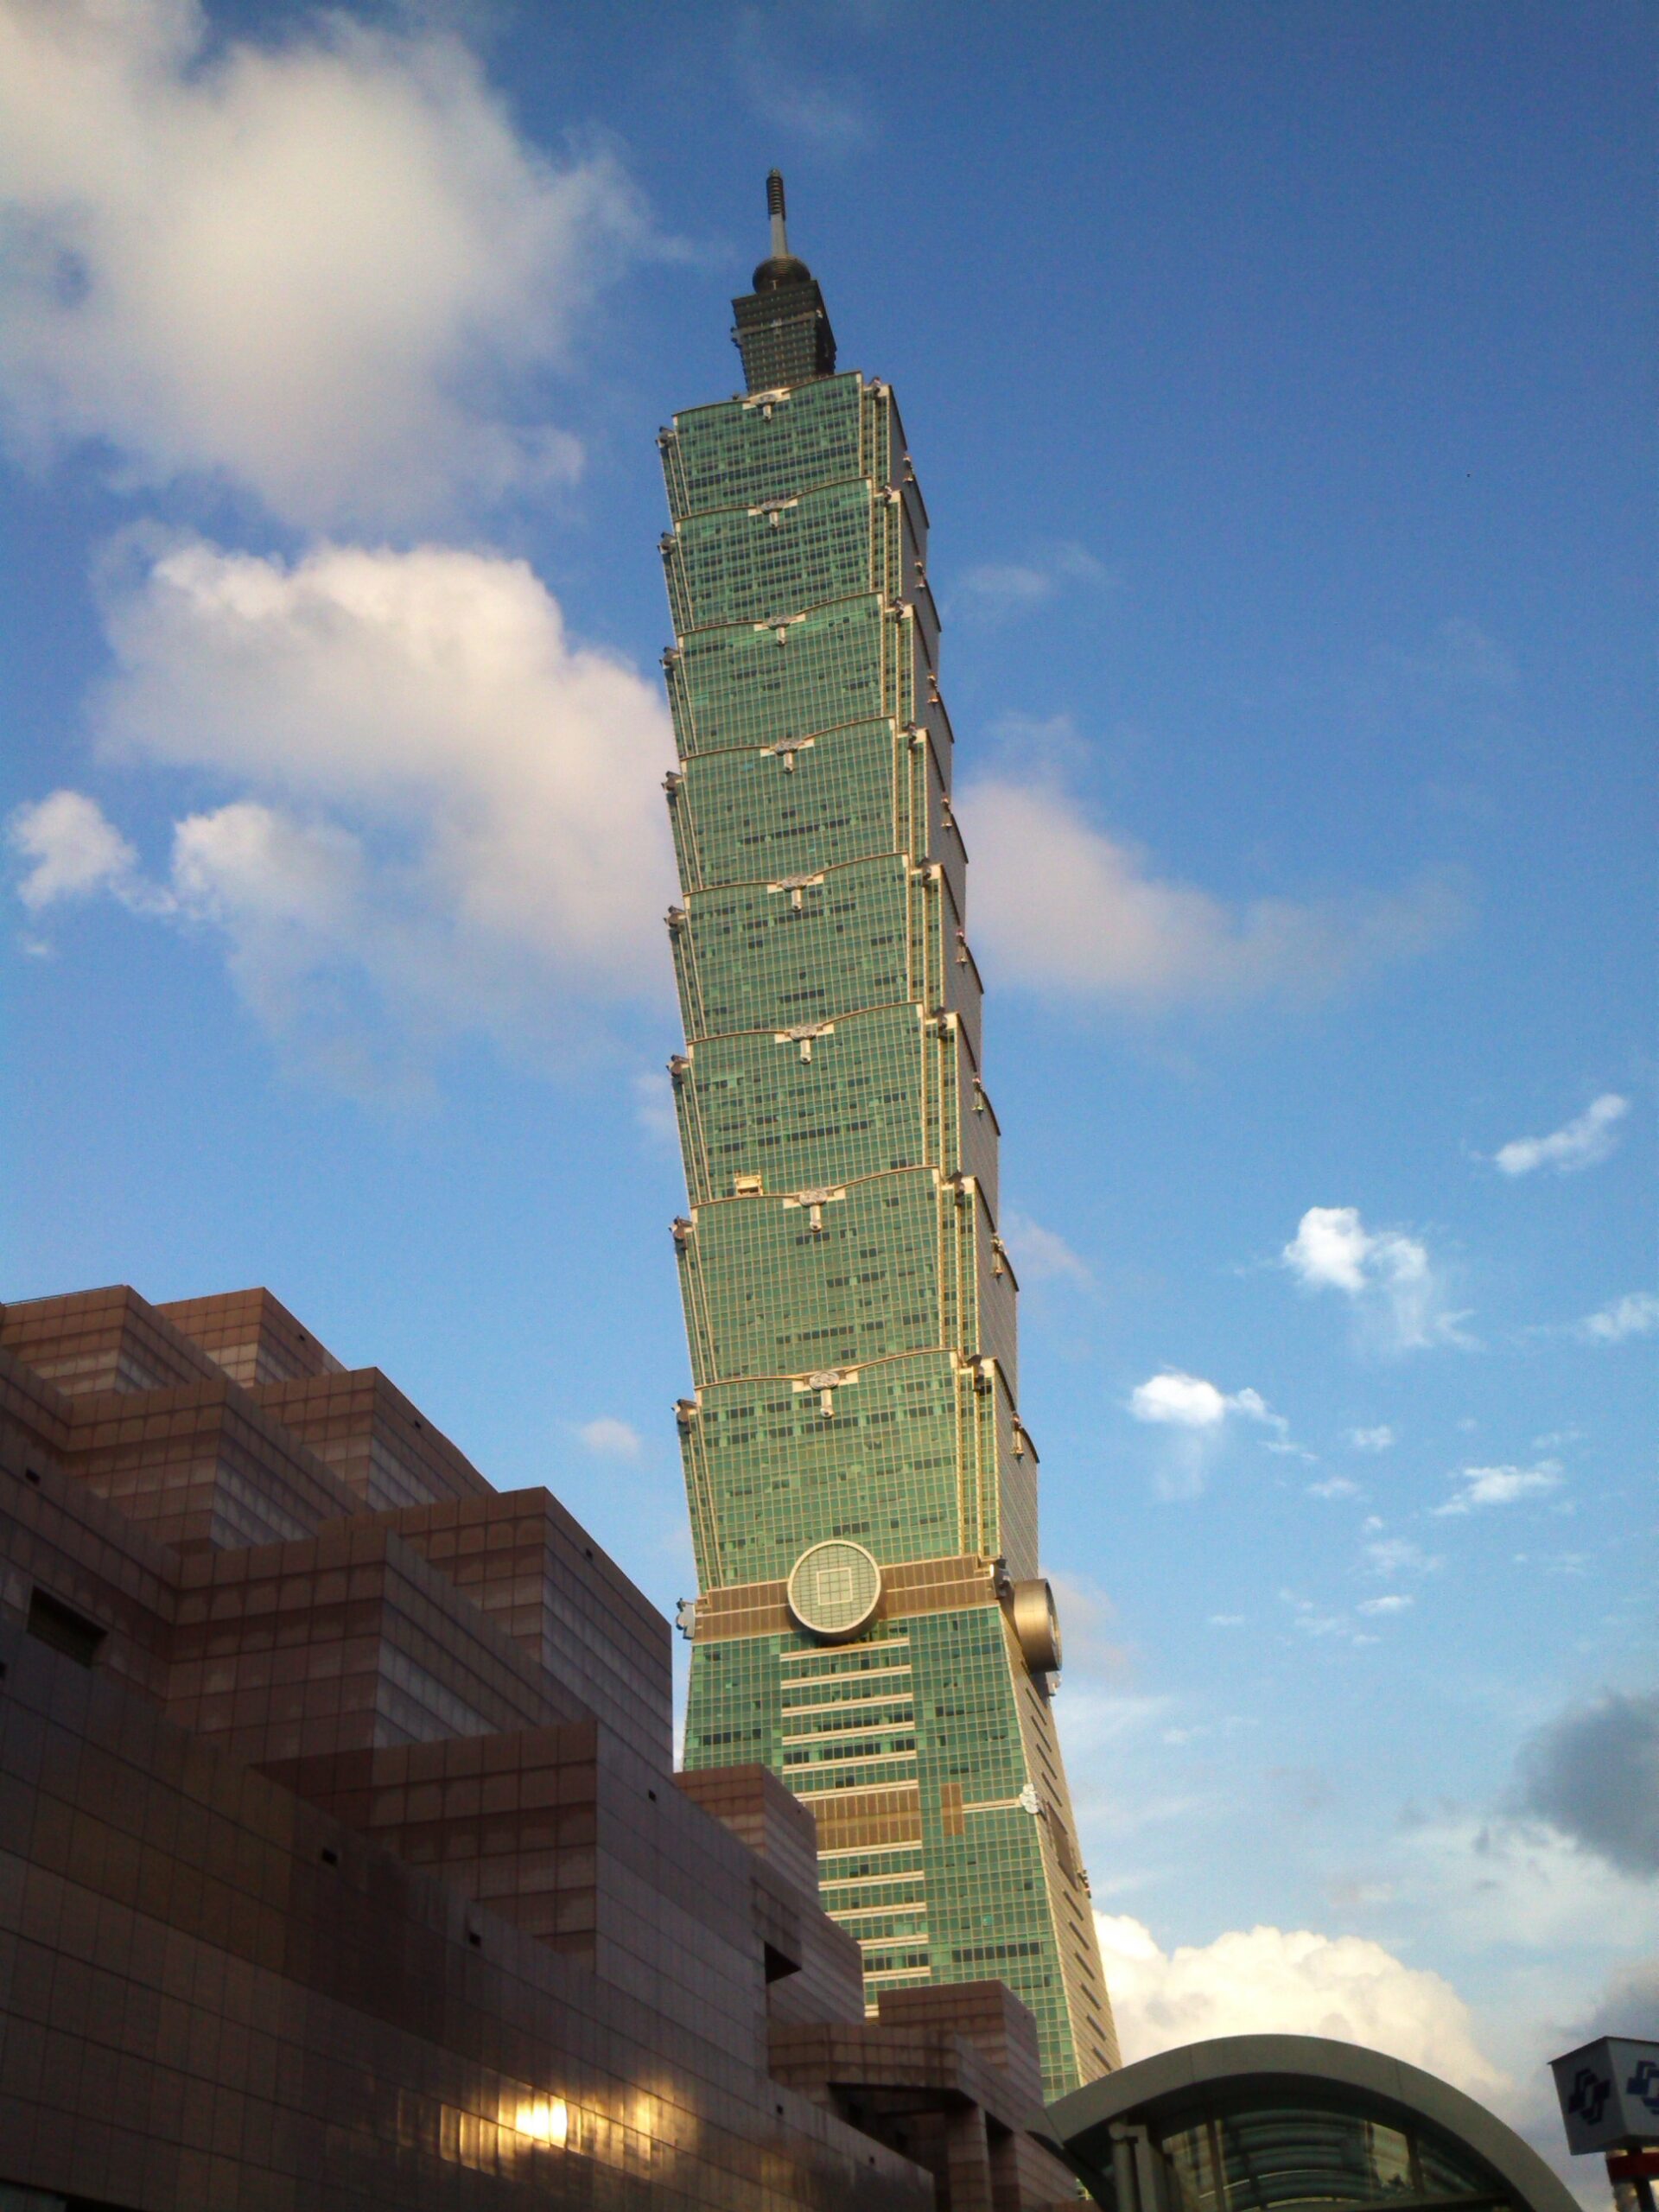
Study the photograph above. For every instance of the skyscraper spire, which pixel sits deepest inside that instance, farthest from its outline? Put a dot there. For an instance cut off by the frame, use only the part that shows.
(781, 269)
(783, 330)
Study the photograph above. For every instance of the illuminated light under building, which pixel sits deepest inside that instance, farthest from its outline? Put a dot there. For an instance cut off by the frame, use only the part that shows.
(342, 1860)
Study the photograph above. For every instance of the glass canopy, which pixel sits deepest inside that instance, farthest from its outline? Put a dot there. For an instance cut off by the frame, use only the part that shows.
(1261, 2158)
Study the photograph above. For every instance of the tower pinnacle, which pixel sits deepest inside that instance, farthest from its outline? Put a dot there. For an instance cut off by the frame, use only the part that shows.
(781, 267)
(782, 329)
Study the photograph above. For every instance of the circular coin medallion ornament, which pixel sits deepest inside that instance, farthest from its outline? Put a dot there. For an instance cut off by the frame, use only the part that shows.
(833, 1589)
(1037, 1625)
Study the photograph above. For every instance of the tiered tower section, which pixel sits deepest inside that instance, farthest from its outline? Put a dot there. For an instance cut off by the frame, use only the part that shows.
(871, 1623)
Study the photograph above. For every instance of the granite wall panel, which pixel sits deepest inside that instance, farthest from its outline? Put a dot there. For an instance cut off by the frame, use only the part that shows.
(345, 1866)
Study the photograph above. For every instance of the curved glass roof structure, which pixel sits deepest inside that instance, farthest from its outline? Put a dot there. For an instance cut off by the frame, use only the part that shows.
(1293, 2124)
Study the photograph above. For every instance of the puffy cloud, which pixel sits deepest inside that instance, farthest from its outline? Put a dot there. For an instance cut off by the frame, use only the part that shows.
(1064, 907)
(1593, 1773)
(1272, 1981)
(1635, 1315)
(1395, 1602)
(72, 850)
(289, 896)
(450, 809)
(1484, 1486)
(1333, 1486)
(1188, 1401)
(612, 1439)
(1580, 1143)
(1193, 1413)
(325, 268)
(1041, 1255)
(1331, 1248)
(1396, 1291)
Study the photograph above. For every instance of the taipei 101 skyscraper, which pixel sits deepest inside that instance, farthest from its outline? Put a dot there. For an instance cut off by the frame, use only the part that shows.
(871, 1621)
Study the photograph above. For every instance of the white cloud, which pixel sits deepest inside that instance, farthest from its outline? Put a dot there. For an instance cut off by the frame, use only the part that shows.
(1334, 1486)
(1077, 562)
(1483, 1486)
(289, 896)
(1331, 1249)
(783, 89)
(1310, 1619)
(1036, 747)
(1463, 654)
(1395, 1602)
(1635, 1315)
(327, 268)
(1001, 588)
(612, 1439)
(1194, 1413)
(1189, 1401)
(72, 850)
(1580, 1143)
(1389, 1556)
(653, 1107)
(1272, 1981)
(1522, 1882)
(1371, 1439)
(1564, 2016)
(1105, 1723)
(1087, 1619)
(1397, 1292)
(449, 811)
(1064, 907)
(1186, 1399)
(1041, 1255)
(1004, 586)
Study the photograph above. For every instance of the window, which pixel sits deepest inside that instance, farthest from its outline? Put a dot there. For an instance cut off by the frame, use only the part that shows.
(66, 1630)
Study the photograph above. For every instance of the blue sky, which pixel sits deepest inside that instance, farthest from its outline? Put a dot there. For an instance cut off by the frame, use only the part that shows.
(1279, 379)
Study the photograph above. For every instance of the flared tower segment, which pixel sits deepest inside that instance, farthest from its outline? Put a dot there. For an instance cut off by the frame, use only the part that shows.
(871, 1622)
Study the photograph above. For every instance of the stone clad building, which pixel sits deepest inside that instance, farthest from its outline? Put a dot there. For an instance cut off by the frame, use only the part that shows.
(342, 1860)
